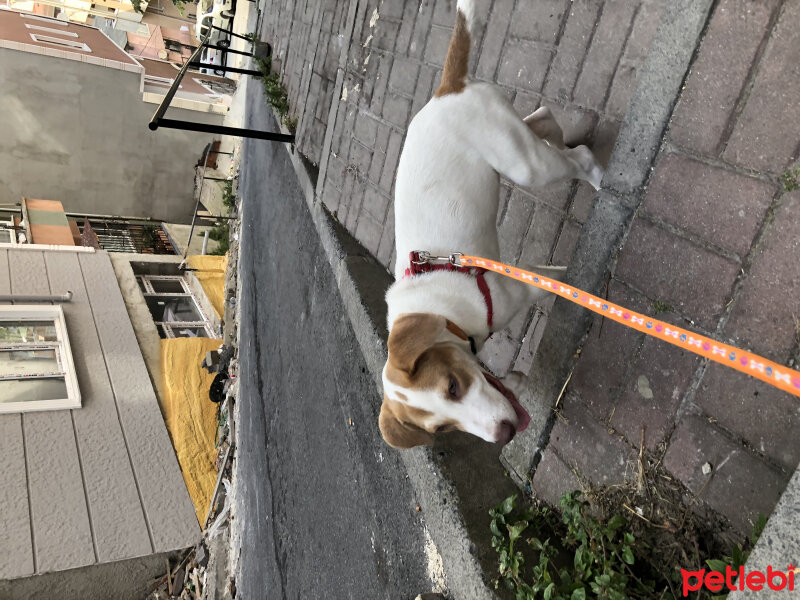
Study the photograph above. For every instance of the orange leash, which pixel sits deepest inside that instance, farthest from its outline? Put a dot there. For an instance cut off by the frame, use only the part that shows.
(751, 364)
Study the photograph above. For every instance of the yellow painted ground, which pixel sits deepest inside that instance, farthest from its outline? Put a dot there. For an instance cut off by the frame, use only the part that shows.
(190, 416)
(211, 275)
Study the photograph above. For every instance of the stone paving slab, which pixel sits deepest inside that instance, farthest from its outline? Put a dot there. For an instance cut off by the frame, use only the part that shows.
(742, 486)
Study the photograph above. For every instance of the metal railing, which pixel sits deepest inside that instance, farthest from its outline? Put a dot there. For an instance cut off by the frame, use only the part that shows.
(124, 234)
(196, 214)
(158, 119)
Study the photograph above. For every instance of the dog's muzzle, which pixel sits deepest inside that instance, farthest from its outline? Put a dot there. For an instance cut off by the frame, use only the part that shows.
(507, 430)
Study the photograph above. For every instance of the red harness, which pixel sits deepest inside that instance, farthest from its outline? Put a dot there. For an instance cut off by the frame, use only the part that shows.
(417, 267)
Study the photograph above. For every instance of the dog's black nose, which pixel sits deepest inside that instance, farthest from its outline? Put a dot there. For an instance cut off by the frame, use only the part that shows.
(505, 432)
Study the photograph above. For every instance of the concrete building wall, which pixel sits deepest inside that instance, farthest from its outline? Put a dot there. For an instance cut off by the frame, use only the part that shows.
(101, 483)
(23, 28)
(77, 133)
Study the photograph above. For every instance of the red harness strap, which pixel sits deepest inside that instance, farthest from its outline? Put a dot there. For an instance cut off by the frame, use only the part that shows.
(417, 267)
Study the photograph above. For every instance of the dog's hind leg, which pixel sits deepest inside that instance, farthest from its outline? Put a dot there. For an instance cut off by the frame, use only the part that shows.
(508, 144)
(544, 126)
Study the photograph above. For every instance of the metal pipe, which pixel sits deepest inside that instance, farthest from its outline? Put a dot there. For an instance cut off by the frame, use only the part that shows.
(215, 218)
(162, 108)
(196, 204)
(67, 297)
(111, 217)
(158, 119)
(235, 131)
(247, 39)
(229, 49)
(224, 68)
(205, 243)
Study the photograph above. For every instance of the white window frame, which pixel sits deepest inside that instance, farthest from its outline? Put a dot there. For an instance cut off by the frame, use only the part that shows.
(53, 313)
(60, 42)
(168, 326)
(157, 81)
(49, 30)
(8, 219)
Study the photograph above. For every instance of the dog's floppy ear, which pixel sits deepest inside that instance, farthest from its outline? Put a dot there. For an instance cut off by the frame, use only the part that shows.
(399, 434)
(411, 335)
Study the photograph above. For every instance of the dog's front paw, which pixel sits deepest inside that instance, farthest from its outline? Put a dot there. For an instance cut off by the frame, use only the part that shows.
(516, 381)
(596, 176)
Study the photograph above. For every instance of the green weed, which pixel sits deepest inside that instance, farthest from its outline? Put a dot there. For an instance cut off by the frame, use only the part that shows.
(228, 197)
(600, 565)
(661, 307)
(275, 93)
(591, 558)
(789, 179)
(220, 233)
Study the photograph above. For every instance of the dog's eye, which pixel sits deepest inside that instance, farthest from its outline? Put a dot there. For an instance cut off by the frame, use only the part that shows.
(453, 387)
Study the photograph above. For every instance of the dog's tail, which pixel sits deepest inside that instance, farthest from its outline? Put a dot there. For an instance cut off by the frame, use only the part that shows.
(454, 75)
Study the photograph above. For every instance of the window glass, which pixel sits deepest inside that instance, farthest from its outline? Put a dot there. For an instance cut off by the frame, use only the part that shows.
(184, 331)
(167, 286)
(20, 332)
(21, 363)
(32, 390)
(173, 309)
(36, 368)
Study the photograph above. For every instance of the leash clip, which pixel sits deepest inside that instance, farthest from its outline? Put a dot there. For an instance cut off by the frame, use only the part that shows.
(424, 257)
(420, 257)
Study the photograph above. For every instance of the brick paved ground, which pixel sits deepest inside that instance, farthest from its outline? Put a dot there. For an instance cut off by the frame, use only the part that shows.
(306, 39)
(714, 246)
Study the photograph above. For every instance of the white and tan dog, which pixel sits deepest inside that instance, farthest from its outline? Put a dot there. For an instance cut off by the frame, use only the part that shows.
(446, 201)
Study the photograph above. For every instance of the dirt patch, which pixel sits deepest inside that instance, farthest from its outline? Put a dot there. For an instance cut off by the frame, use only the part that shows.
(674, 528)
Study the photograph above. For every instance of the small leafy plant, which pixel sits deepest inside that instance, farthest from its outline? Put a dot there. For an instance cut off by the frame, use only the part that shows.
(789, 179)
(228, 197)
(149, 235)
(601, 553)
(220, 234)
(660, 306)
(276, 94)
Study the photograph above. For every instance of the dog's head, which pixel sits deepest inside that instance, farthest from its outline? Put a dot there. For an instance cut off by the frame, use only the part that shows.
(433, 386)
